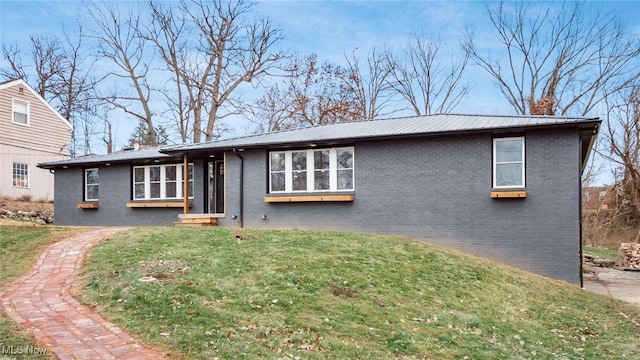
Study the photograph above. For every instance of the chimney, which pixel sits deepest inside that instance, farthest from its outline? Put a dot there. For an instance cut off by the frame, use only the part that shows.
(136, 145)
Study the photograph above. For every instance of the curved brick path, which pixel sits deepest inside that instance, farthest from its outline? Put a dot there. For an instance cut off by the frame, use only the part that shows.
(40, 301)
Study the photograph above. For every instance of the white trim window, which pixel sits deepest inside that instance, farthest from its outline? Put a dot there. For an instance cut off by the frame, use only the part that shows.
(509, 162)
(158, 182)
(20, 112)
(20, 173)
(321, 170)
(91, 184)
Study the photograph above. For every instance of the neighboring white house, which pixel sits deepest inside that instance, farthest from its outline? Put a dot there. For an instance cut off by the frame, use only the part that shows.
(31, 132)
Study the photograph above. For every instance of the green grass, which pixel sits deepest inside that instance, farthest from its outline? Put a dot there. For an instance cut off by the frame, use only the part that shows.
(602, 253)
(319, 295)
(19, 249)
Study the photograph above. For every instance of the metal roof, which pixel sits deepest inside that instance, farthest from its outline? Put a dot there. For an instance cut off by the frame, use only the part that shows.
(344, 132)
(393, 127)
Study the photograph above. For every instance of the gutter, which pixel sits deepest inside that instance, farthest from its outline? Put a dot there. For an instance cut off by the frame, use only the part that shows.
(241, 215)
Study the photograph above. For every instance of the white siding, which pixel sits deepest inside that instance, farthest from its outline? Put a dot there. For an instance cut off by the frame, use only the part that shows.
(46, 138)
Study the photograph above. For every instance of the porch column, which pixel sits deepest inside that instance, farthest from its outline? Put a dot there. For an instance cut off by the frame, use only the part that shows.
(185, 186)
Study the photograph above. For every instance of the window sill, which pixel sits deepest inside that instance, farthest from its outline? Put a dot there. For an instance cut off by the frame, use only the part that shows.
(508, 194)
(92, 205)
(309, 198)
(157, 204)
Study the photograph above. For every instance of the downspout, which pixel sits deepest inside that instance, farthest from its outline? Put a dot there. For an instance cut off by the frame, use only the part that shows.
(185, 186)
(241, 215)
(580, 212)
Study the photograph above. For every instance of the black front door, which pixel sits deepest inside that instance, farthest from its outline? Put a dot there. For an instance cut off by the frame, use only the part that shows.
(216, 187)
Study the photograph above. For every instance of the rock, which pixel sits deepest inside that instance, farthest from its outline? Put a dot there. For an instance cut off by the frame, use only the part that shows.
(628, 256)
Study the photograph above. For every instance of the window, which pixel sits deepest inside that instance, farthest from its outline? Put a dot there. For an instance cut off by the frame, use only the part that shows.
(324, 170)
(157, 182)
(508, 162)
(602, 195)
(91, 184)
(586, 197)
(20, 112)
(20, 175)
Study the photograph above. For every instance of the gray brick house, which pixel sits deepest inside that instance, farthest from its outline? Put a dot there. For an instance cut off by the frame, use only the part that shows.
(505, 188)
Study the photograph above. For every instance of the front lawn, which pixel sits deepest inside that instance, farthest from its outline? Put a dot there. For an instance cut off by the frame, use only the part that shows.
(316, 295)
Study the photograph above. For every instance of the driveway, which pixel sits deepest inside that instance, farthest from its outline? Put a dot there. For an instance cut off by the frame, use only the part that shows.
(620, 284)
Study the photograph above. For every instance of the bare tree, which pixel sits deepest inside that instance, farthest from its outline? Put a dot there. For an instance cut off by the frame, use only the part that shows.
(623, 138)
(558, 59)
(424, 79)
(120, 42)
(211, 49)
(61, 72)
(312, 94)
(371, 84)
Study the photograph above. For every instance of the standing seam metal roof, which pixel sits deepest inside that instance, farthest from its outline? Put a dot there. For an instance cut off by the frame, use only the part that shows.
(407, 126)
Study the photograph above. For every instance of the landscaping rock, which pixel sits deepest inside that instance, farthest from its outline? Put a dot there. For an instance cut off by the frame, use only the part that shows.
(37, 217)
(628, 256)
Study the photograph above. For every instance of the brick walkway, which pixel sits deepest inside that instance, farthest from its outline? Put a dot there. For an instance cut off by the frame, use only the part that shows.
(40, 301)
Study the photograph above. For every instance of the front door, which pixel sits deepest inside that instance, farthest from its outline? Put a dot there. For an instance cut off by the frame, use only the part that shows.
(216, 187)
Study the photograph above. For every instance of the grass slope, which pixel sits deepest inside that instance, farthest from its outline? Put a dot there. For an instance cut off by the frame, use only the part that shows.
(19, 249)
(281, 294)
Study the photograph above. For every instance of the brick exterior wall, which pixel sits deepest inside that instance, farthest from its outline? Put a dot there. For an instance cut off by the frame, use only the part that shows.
(115, 192)
(434, 189)
(437, 189)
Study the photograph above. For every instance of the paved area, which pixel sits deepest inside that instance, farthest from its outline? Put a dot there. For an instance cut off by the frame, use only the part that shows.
(41, 302)
(620, 284)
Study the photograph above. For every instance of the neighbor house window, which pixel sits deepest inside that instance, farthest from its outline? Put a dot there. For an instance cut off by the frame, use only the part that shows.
(602, 195)
(156, 182)
(20, 112)
(20, 175)
(91, 182)
(508, 162)
(322, 170)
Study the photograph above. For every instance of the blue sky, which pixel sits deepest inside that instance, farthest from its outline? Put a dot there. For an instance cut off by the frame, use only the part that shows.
(332, 29)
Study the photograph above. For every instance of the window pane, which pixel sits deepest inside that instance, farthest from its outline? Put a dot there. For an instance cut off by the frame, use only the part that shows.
(92, 176)
(20, 118)
(171, 189)
(299, 161)
(92, 192)
(138, 174)
(321, 159)
(509, 175)
(300, 180)
(277, 161)
(345, 159)
(170, 173)
(322, 180)
(277, 182)
(345, 179)
(155, 190)
(508, 150)
(154, 173)
(139, 191)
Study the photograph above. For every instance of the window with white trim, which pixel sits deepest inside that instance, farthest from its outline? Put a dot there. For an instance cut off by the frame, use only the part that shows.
(158, 182)
(20, 175)
(20, 112)
(508, 162)
(321, 170)
(91, 184)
